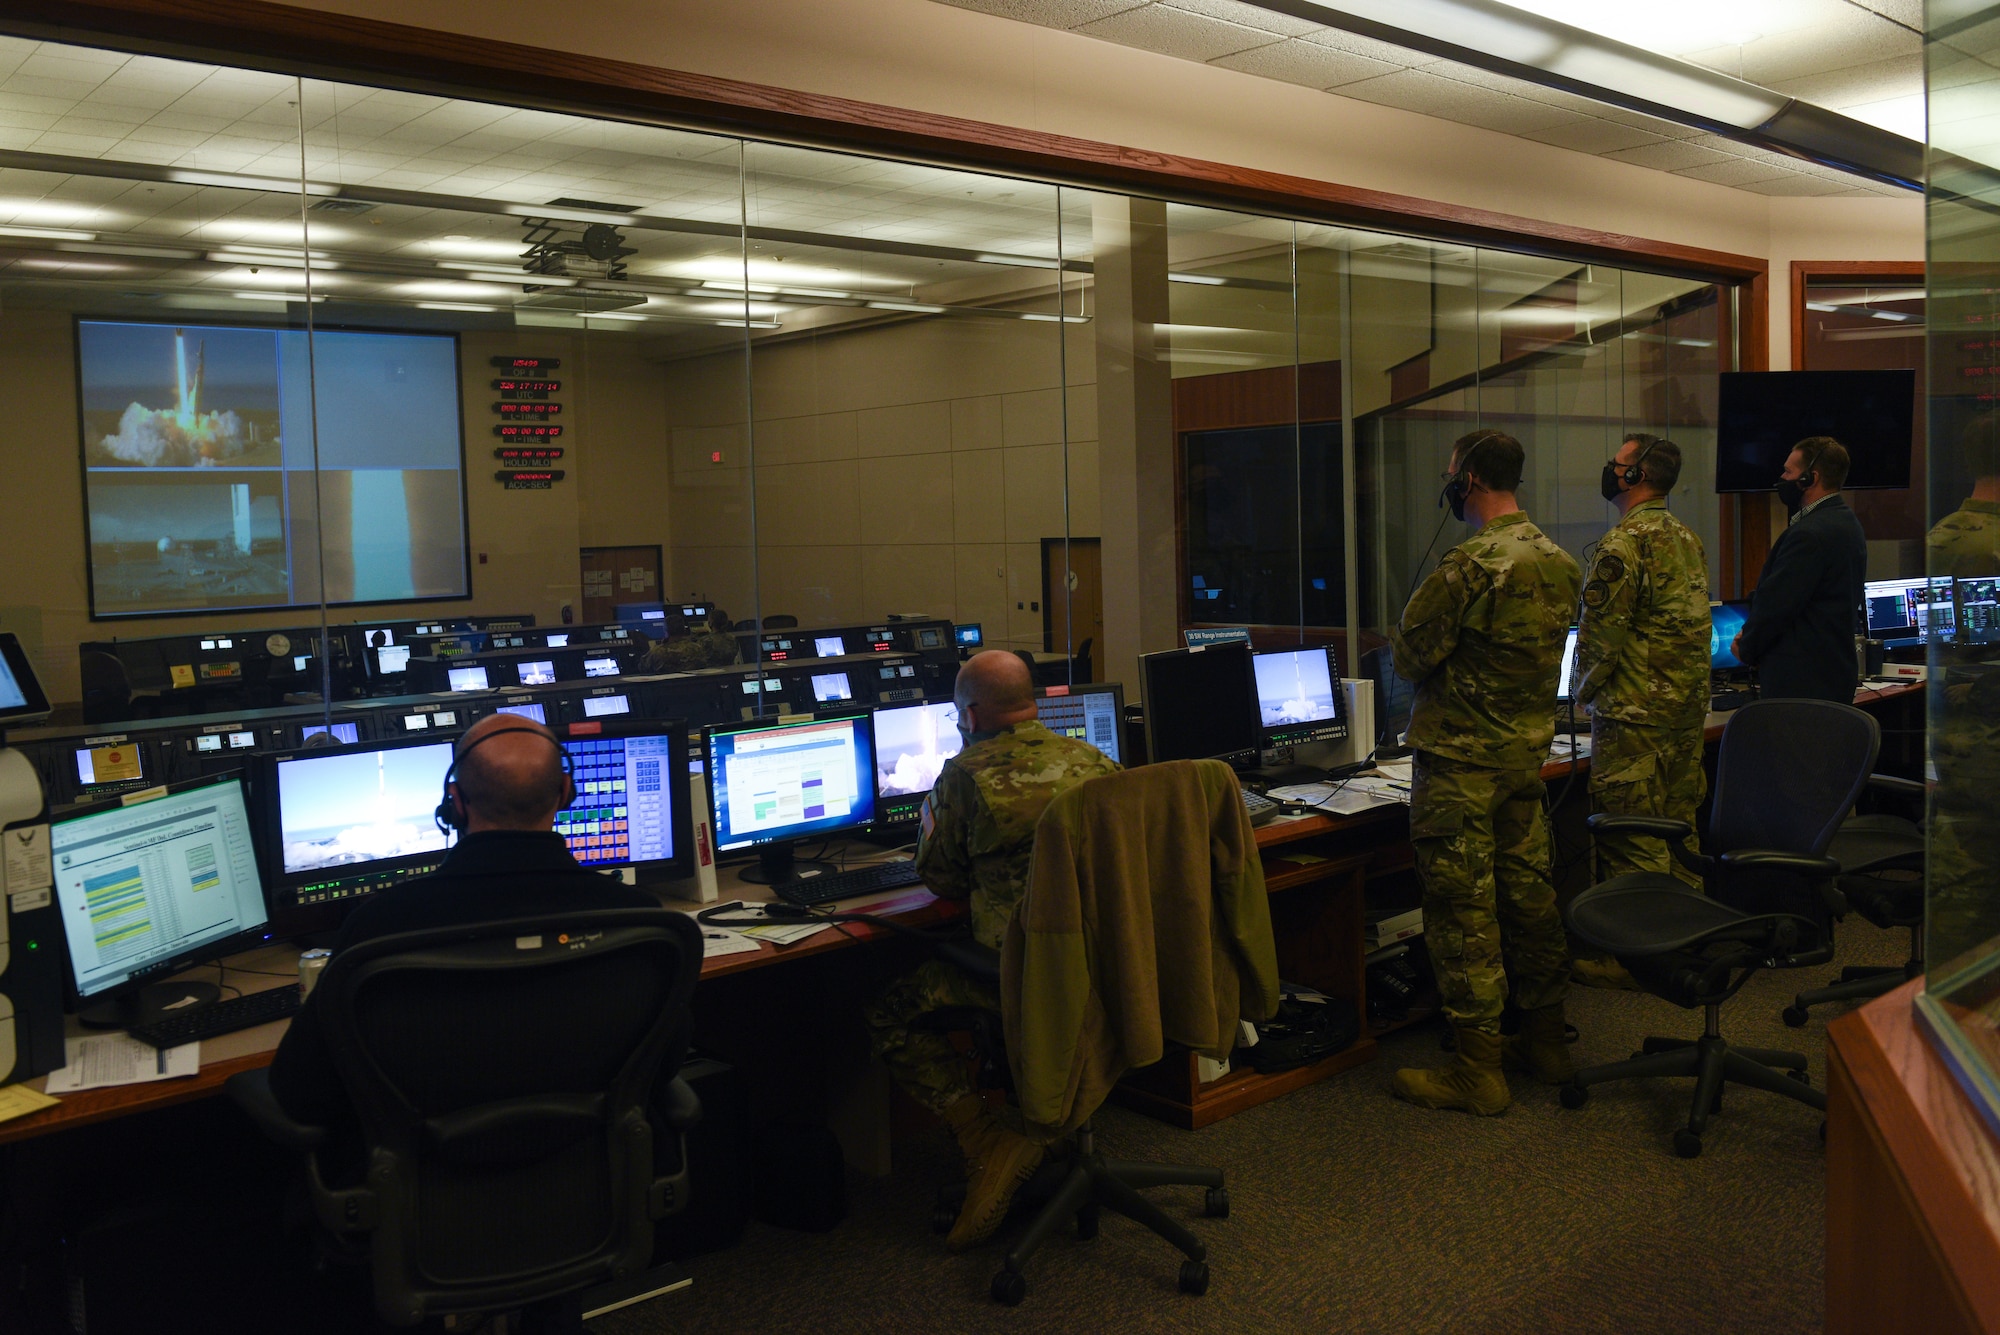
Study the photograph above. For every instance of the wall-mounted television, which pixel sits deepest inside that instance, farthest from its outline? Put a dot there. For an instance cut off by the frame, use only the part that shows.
(1761, 415)
(227, 466)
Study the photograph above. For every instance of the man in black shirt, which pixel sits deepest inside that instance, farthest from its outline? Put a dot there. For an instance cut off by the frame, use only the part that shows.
(1800, 632)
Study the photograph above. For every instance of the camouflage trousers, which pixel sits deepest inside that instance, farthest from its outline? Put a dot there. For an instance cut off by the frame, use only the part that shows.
(924, 1063)
(1964, 869)
(1482, 851)
(1640, 770)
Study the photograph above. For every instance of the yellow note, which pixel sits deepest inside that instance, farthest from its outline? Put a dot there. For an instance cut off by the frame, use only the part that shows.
(183, 674)
(19, 1101)
(112, 764)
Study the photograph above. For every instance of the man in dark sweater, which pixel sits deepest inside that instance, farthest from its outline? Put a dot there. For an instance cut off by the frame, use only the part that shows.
(1800, 632)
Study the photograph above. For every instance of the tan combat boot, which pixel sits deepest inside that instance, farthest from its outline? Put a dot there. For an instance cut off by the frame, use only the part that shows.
(1541, 1048)
(1473, 1083)
(1606, 973)
(997, 1161)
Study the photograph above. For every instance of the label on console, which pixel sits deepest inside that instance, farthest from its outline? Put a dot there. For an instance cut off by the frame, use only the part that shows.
(28, 869)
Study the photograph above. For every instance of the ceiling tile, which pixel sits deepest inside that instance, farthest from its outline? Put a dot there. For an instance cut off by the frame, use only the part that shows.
(1793, 185)
(1175, 32)
(1856, 85)
(1248, 16)
(1305, 63)
(1047, 13)
(1671, 156)
(1593, 135)
(1736, 172)
(1340, 40)
(1433, 95)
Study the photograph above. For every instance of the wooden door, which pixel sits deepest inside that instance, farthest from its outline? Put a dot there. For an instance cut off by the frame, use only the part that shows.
(614, 575)
(1073, 600)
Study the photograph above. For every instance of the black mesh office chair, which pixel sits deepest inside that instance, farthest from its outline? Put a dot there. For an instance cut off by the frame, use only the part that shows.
(1081, 669)
(503, 1077)
(780, 621)
(1788, 773)
(1881, 859)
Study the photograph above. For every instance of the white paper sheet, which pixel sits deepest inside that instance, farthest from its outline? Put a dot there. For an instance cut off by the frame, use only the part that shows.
(98, 1061)
(722, 941)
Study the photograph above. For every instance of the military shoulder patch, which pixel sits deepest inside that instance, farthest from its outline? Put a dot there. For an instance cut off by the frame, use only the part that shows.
(1609, 568)
(1596, 593)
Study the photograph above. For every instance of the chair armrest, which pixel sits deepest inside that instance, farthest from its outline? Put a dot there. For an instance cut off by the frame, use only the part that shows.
(1777, 859)
(679, 1106)
(1889, 783)
(251, 1091)
(1659, 827)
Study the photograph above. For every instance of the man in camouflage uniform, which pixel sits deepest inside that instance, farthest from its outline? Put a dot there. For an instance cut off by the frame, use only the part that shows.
(1964, 856)
(705, 644)
(977, 842)
(1482, 643)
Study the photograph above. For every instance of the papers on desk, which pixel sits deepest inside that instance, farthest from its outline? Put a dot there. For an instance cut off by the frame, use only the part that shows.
(777, 931)
(19, 1101)
(1348, 796)
(1564, 747)
(722, 941)
(785, 934)
(101, 1060)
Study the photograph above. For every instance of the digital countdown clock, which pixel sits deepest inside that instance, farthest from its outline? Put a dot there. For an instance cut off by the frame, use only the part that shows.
(510, 409)
(528, 389)
(527, 455)
(528, 479)
(526, 364)
(527, 431)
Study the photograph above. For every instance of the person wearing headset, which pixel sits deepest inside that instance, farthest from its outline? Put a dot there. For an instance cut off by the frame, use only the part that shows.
(1641, 668)
(1800, 631)
(1481, 641)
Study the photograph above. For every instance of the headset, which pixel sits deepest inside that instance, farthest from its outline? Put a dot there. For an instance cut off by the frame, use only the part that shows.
(447, 814)
(1809, 476)
(1463, 476)
(1634, 472)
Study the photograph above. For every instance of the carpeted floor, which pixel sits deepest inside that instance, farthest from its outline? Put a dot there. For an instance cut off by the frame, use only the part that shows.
(1354, 1212)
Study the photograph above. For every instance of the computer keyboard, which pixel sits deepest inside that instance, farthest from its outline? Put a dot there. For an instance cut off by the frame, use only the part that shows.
(224, 1017)
(1261, 807)
(846, 884)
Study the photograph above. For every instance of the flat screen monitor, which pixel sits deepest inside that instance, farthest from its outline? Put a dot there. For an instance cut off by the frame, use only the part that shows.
(121, 763)
(556, 639)
(1979, 611)
(1564, 678)
(1299, 697)
(1093, 713)
(377, 637)
(349, 819)
(1761, 415)
(631, 805)
(1904, 613)
(540, 672)
(1201, 704)
(154, 887)
(829, 646)
(202, 454)
(530, 710)
(640, 614)
(1725, 623)
(969, 636)
(466, 678)
(597, 667)
(391, 659)
(605, 706)
(829, 687)
(772, 783)
(912, 742)
(21, 694)
(345, 733)
(1394, 697)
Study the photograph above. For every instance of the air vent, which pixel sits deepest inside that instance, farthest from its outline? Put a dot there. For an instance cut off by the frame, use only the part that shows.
(349, 206)
(581, 302)
(598, 204)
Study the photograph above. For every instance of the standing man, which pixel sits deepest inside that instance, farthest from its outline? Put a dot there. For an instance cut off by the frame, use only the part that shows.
(1642, 658)
(1482, 643)
(1800, 632)
(976, 843)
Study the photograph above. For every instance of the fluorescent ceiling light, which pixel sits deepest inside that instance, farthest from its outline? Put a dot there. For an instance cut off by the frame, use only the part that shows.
(1898, 317)
(244, 181)
(456, 306)
(570, 215)
(50, 211)
(1684, 26)
(1205, 279)
(47, 233)
(1824, 307)
(1019, 261)
(517, 276)
(1054, 319)
(279, 258)
(749, 324)
(281, 297)
(610, 315)
(139, 252)
(916, 307)
(472, 248)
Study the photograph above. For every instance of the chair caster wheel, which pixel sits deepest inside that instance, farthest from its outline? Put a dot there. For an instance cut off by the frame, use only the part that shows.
(1573, 1096)
(1194, 1278)
(1803, 1077)
(1687, 1144)
(1086, 1223)
(1795, 1016)
(1009, 1287)
(1215, 1204)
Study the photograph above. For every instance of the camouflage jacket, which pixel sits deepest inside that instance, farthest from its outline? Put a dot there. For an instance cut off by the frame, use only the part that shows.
(978, 833)
(700, 648)
(1482, 641)
(1642, 650)
(1965, 544)
(1965, 736)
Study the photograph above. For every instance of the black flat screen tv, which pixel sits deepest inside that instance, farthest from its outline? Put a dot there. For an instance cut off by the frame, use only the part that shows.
(1762, 414)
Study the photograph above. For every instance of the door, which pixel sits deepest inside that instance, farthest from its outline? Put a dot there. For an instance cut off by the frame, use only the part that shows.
(1085, 601)
(614, 575)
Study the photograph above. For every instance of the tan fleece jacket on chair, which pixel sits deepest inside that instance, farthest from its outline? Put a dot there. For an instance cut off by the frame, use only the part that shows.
(1145, 921)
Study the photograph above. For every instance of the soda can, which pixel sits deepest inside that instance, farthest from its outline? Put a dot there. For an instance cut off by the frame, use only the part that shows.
(311, 965)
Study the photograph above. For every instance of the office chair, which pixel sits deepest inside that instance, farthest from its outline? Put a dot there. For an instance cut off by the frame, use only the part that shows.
(502, 1075)
(1787, 774)
(107, 690)
(780, 621)
(1080, 668)
(1881, 861)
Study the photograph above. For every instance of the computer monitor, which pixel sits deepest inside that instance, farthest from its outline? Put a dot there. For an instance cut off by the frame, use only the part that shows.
(912, 742)
(631, 805)
(606, 706)
(1725, 623)
(1394, 698)
(466, 678)
(968, 636)
(1904, 613)
(540, 672)
(113, 767)
(345, 733)
(771, 784)
(600, 667)
(151, 888)
(1201, 704)
(647, 616)
(529, 709)
(1979, 611)
(1094, 713)
(829, 687)
(345, 821)
(1564, 678)
(556, 639)
(1299, 697)
(829, 646)
(21, 696)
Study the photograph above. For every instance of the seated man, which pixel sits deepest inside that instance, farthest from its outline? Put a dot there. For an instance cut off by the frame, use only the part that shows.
(977, 840)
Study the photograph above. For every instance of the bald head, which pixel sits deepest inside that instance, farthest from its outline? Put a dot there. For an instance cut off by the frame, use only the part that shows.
(514, 778)
(994, 691)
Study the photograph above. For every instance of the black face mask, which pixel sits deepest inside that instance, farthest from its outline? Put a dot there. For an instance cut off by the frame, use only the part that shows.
(1792, 493)
(1607, 484)
(1455, 492)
